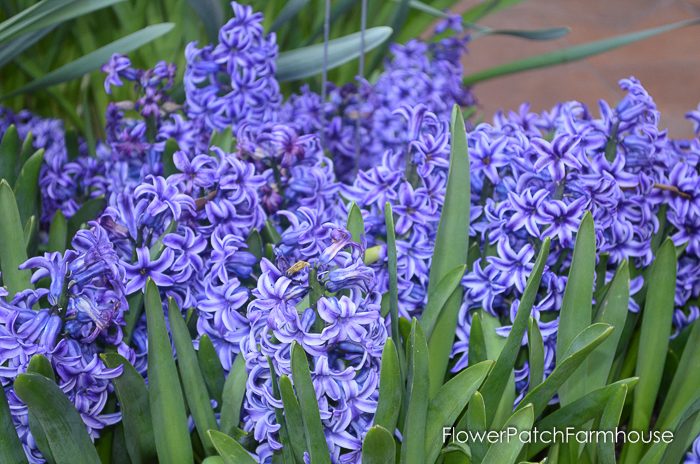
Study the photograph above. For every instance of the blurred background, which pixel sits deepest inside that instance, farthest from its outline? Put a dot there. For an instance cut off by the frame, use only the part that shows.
(668, 66)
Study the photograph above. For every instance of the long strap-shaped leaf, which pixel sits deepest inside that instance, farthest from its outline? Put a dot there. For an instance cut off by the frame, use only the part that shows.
(193, 384)
(65, 431)
(575, 313)
(136, 412)
(390, 388)
(233, 394)
(211, 367)
(95, 59)
(609, 421)
(656, 329)
(414, 428)
(451, 245)
(575, 53)
(292, 419)
(313, 427)
(449, 403)
(506, 452)
(378, 447)
(685, 387)
(495, 383)
(170, 427)
(48, 13)
(535, 353)
(580, 348)
(612, 310)
(27, 186)
(578, 413)
(12, 249)
(308, 61)
(9, 154)
(11, 451)
(229, 449)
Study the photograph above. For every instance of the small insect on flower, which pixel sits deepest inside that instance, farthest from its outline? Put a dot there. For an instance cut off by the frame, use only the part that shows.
(297, 267)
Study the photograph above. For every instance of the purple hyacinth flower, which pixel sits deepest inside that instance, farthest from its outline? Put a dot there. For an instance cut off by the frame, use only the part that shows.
(137, 273)
(557, 155)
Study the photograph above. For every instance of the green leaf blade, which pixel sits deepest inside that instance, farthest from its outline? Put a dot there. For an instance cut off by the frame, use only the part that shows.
(451, 246)
(313, 428)
(575, 312)
(172, 435)
(136, 412)
(65, 431)
(13, 251)
(414, 427)
(195, 389)
(308, 61)
(378, 446)
(229, 449)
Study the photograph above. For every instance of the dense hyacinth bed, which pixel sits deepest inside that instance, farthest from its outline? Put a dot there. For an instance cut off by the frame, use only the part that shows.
(271, 233)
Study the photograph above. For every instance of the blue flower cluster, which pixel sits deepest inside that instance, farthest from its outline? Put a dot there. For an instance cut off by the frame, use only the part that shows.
(358, 124)
(327, 302)
(75, 311)
(535, 175)
(234, 80)
(186, 220)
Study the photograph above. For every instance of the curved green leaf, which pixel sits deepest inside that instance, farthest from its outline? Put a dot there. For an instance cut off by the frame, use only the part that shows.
(451, 245)
(170, 428)
(496, 382)
(575, 312)
(477, 341)
(684, 389)
(575, 53)
(12, 249)
(449, 403)
(87, 212)
(48, 13)
(313, 428)
(211, 14)
(292, 418)
(191, 378)
(356, 225)
(441, 294)
(58, 233)
(656, 328)
(9, 154)
(535, 348)
(27, 187)
(580, 348)
(390, 388)
(506, 451)
(11, 451)
(211, 367)
(378, 446)
(613, 311)
(476, 421)
(65, 431)
(548, 33)
(95, 59)
(229, 449)
(392, 261)
(418, 384)
(233, 394)
(578, 413)
(290, 9)
(609, 421)
(308, 61)
(136, 412)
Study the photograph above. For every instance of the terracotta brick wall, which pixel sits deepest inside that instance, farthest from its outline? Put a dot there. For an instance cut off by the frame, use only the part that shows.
(669, 65)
